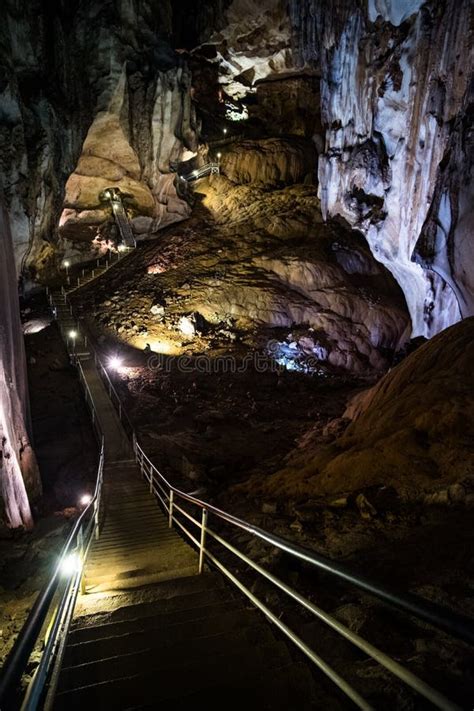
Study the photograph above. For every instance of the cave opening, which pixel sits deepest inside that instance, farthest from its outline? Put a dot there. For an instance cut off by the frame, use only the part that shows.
(236, 335)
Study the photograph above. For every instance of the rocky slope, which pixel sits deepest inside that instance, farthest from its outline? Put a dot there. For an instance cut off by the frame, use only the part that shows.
(396, 92)
(411, 433)
(260, 266)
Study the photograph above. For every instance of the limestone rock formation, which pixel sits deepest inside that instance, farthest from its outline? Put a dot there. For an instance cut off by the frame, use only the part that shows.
(103, 74)
(252, 44)
(19, 475)
(261, 268)
(412, 431)
(395, 85)
(270, 162)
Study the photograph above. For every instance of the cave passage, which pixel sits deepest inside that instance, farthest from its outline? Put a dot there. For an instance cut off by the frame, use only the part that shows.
(236, 347)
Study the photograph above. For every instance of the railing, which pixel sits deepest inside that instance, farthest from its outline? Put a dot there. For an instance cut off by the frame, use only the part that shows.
(457, 625)
(55, 603)
(208, 169)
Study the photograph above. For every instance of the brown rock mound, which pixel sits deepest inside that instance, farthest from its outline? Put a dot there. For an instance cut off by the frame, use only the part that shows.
(414, 430)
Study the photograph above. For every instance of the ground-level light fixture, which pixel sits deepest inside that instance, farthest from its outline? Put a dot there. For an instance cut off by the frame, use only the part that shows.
(121, 248)
(71, 564)
(224, 131)
(195, 172)
(73, 335)
(85, 499)
(219, 156)
(115, 363)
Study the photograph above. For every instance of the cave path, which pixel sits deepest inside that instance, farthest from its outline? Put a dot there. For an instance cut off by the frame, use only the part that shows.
(148, 629)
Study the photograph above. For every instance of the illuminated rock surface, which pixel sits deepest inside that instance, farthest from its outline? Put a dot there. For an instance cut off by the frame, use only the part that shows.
(412, 431)
(393, 86)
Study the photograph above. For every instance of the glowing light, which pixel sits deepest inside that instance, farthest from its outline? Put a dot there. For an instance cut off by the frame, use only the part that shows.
(115, 363)
(186, 326)
(66, 263)
(195, 172)
(122, 247)
(71, 564)
(224, 131)
(85, 499)
(72, 334)
(219, 156)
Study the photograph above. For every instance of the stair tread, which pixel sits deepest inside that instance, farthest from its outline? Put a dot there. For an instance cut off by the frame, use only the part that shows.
(207, 653)
(194, 615)
(249, 683)
(84, 653)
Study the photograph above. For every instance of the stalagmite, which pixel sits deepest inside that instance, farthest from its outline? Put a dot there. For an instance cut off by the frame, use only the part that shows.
(19, 474)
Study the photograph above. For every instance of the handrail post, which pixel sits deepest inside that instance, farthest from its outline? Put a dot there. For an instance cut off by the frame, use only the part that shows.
(203, 540)
(80, 541)
(96, 518)
(170, 519)
(152, 480)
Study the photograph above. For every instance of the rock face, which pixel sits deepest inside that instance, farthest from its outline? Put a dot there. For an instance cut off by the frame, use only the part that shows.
(412, 431)
(259, 268)
(103, 74)
(270, 162)
(289, 106)
(395, 99)
(253, 43)
(18, 470)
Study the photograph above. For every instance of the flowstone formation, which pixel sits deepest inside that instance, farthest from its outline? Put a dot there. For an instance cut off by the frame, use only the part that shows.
(256, 266)
(396, 95)
(410, 434)
(96, 93)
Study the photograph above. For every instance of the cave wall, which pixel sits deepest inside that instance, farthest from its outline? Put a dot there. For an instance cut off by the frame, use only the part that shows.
(19, 476)
(67, 69)
(396, 87)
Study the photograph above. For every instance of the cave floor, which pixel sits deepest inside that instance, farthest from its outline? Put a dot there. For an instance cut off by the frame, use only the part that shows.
(214, 432)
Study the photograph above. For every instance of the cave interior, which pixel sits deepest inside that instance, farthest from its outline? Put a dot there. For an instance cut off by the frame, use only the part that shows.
(237, 240)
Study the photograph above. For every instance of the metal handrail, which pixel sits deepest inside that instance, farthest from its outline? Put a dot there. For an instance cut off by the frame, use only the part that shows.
(454, 623)
(207, 169)
(77, 545)
(419, 607)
